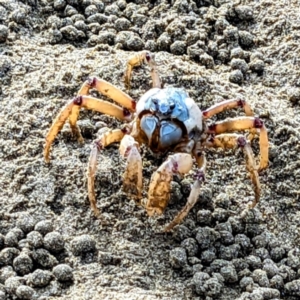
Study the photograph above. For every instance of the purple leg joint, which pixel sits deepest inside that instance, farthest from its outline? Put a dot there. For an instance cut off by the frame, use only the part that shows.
(148, 56)
(175, 167)
(258, 123)
(126, 112)
(241, 103)
(92, 81)
(212, 127)
(99, 145)
(199, 175)
(77, 100)
(241, 141)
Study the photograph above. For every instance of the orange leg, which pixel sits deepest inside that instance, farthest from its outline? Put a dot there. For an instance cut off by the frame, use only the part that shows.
(107, 138)
(226, 105)
(193, 197)
(230, 104)
(228, 141)
(106, 89)
(84, 102)
(246, 123)
(137, 60)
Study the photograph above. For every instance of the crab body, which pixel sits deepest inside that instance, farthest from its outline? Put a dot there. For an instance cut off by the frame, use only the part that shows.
(166, 117)
(166, 120)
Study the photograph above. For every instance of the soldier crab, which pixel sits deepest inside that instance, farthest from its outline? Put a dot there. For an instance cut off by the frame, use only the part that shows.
(166, 120)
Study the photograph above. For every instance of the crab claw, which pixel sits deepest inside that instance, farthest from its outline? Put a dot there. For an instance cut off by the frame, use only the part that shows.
(160, 185)
(132, 183)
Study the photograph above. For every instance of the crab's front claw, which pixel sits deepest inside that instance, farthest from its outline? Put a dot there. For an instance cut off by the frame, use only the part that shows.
(132, 181)
(160, 185)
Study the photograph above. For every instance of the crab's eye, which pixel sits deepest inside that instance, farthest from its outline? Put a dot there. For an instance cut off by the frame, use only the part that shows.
(172, 106)
(154, 105)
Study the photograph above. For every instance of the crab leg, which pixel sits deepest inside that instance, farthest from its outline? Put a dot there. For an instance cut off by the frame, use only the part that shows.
(225, 105)
(227, 141)
(108, 90)
(88, 103)
(104, 140)
(159, 190)
(132, 181)
(230, 104)
(193, 197)
(137, 60)
(244, 123)
(199, 154)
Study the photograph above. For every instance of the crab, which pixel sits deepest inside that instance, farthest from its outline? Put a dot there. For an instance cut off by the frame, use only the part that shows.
(166, 120)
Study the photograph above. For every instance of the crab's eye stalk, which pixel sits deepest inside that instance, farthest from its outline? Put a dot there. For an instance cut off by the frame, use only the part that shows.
(154, 105)
(164, 107)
